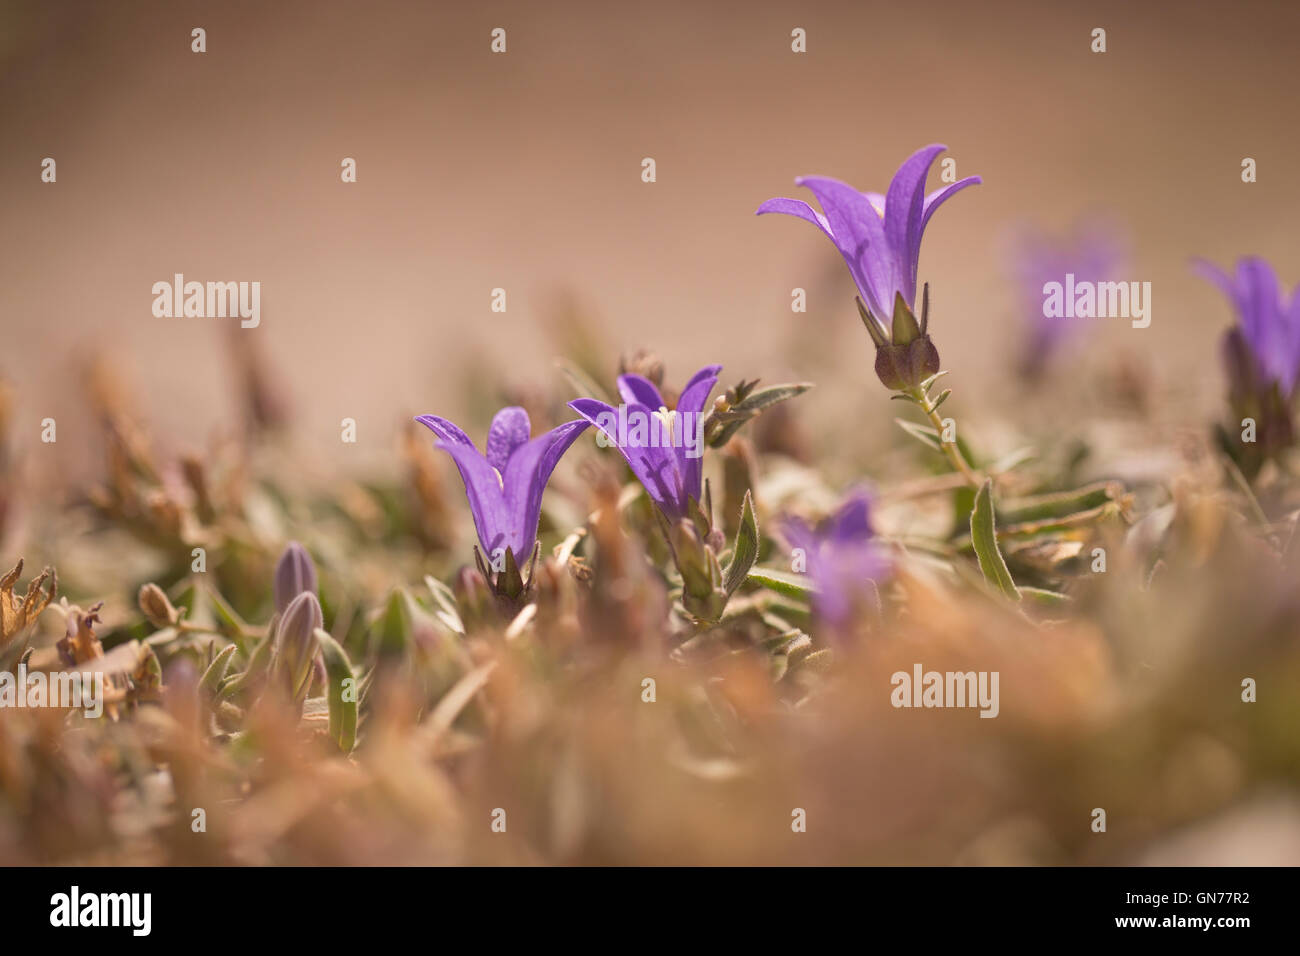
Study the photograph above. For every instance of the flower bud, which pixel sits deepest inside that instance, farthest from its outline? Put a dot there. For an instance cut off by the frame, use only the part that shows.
(156, 608)
(692, 558)
(296, 646)
(644, 363)
(901, 367)
(294, 574)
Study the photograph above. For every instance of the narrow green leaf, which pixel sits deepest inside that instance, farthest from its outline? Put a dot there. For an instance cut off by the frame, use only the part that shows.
(984, 539)
(446, 610)
(1060, 504)
(256, 670)
(228, 619)
(782, 582)
(211, 680)
(391, 636)
(923, 433)
(342, 685)
(929, 382)
(772, 395)
(1044, 597)
(745, 551)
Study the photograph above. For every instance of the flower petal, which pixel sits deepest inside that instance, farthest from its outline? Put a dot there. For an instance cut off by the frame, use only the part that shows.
(696, 392)
(655, 467)
(852, 522)
(692, 401)
(510, 429)
(798, 208)
(905, 212)
(483, 491)
(877, 201)
(526, 476)
(940, 196)
(444, 429)
(859, 234)
(636, 389)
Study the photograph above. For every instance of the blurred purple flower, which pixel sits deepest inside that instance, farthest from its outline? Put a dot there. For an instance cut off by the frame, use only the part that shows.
(842, 556)
(671, 471)
(879, 236)
(1093, 252)
(1268, 324)
(504, 487)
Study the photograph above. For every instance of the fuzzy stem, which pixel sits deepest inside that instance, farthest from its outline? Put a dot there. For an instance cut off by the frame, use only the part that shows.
(949, 447)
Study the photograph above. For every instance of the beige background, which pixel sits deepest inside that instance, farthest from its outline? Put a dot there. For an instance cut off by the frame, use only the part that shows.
(523, 171)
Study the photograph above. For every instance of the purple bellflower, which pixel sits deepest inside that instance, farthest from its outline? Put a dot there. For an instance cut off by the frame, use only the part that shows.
(504, 486)
(1268, 324)
(1261, 356)
(663, 448)
(842, 557)
(1092, 253)
(879, 237)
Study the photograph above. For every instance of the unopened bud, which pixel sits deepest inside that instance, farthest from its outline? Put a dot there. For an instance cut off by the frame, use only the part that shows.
(644, 363)
(296, 645)
(692, 558)
(294, 574)
(901, 367)
(156, 608)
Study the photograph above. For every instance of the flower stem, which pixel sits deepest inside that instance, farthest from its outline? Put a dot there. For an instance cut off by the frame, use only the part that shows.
(949, 447)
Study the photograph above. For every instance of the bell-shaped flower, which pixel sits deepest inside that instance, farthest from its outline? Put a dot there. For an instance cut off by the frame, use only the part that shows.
(504, 485)
(664, 448)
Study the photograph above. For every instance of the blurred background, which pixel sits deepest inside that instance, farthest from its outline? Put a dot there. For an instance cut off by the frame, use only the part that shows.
(522, 171)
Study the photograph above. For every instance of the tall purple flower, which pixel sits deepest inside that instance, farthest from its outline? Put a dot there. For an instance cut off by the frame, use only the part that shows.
(842, 557)
(1261, 355)
(879, 236)
(504, 486)
(663, 448)
(1268, 324)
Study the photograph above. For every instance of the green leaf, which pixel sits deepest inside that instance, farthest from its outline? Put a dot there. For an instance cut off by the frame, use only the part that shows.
(720, 426)
(923, 433)
(772, 395)
(745, 551)
(1060, 504)
(258, 665)
(446, 611)
(985, 541)
(343, 713)
(782, 582)
(228, 619)
(392, 633)
(211, 680)
(905, 330)
(929, 382)
(1044, 597)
